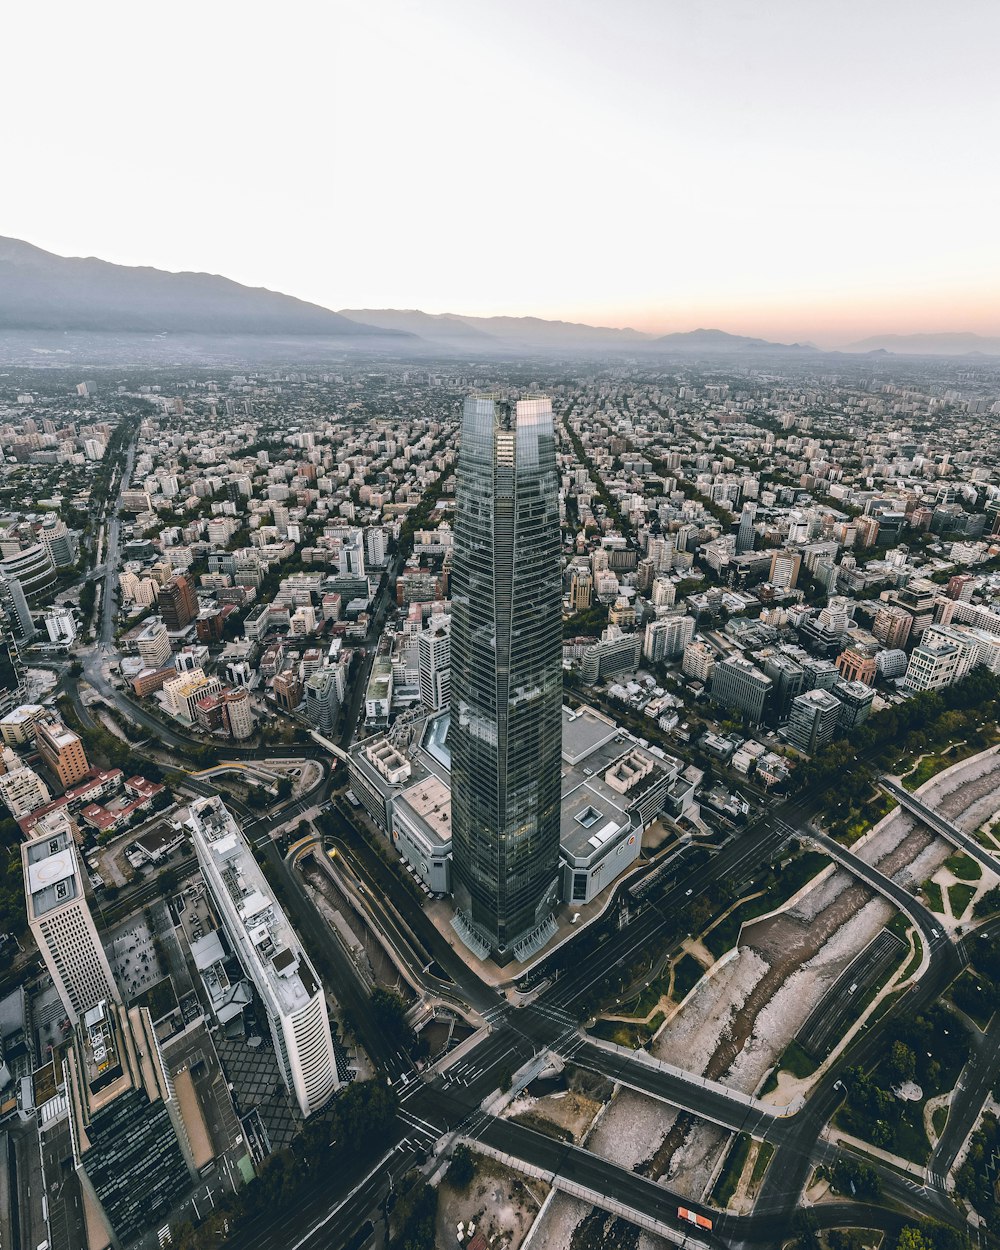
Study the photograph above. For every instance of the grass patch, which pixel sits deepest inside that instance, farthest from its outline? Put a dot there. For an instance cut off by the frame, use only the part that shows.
(963, 866)
(732, 1170)
(899, 925)
(915, 958)
(797, 1061)
(764, 1155)
(939, 1118)
(928, 767)
(969, 994)
(932, 892)
(649, 997)
(937, 1044)
(960, 896)
(632, 1036)
(687, 973)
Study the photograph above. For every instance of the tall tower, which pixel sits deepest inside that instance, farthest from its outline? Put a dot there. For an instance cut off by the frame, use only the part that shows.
(744, 537)
(62, 925)
(506, 676)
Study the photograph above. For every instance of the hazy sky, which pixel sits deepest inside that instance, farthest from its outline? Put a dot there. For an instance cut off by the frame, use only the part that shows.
(797, 168)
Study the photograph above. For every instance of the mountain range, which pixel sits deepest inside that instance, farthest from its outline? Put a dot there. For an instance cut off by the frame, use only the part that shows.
(42, 294)
(42, 291)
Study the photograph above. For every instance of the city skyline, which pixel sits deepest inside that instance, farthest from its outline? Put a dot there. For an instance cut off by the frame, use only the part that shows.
(668, 168)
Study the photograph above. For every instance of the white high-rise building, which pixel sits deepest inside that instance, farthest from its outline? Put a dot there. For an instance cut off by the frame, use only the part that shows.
(667, 637)
(60, 626)
(434, 663)
(270, 953)
(21, 788)
(61, 923)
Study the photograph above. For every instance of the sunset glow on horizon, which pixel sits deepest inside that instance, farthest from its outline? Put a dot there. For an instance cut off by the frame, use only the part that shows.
(790, 170)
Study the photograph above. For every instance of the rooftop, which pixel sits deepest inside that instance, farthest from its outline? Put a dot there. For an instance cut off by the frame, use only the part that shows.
(53, 873)
(267, 938)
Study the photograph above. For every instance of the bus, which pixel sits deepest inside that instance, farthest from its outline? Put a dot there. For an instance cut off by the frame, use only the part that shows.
(692, 1217)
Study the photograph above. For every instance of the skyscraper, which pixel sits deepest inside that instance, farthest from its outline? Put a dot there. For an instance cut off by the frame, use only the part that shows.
(506, 675)
(62, 925)
(744, 537)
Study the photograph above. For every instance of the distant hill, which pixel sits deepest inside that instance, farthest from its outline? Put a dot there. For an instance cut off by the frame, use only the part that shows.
(509, 334)
(496, 333)
(721, 341)
(42, 291)
(945, 344)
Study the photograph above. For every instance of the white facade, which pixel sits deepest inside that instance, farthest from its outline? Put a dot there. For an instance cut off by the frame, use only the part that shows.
(270, 953)
(62, 925)
(60, 626)
(22, 790)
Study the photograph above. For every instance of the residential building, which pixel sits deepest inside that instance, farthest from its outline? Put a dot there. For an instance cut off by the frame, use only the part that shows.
(892, 625)
(740, 685)
(666, 637)
(21, 788)
(434, 663)
(785, 567)
(18, 726)
(62, 751)
(698, 662)
(812, 720)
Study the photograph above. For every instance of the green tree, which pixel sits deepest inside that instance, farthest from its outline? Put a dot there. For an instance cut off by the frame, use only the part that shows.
(462, 1168)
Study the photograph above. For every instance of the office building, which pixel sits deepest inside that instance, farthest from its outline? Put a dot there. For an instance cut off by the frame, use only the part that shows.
(741, 686)
(856, 699)
(323, 694)
(130, 1145)
(745, 534)
(61, 923)
(14, 604)
(857, 664)
(62, 750)
(269, 951)
(153, 644)
(812, 720)
(177, 603)
(506, 675)
(434, 664)
(237, 713)
(32, 568)
(615, 652)
(932, 665)
(789, 680)
(581, 590)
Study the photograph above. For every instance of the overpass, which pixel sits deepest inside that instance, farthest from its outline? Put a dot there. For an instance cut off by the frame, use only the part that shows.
(939, 824)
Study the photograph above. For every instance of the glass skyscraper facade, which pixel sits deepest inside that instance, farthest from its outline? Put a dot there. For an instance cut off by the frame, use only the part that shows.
(506, 671)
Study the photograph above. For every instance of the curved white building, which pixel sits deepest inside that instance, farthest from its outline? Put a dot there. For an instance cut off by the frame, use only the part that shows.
(270, 953)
